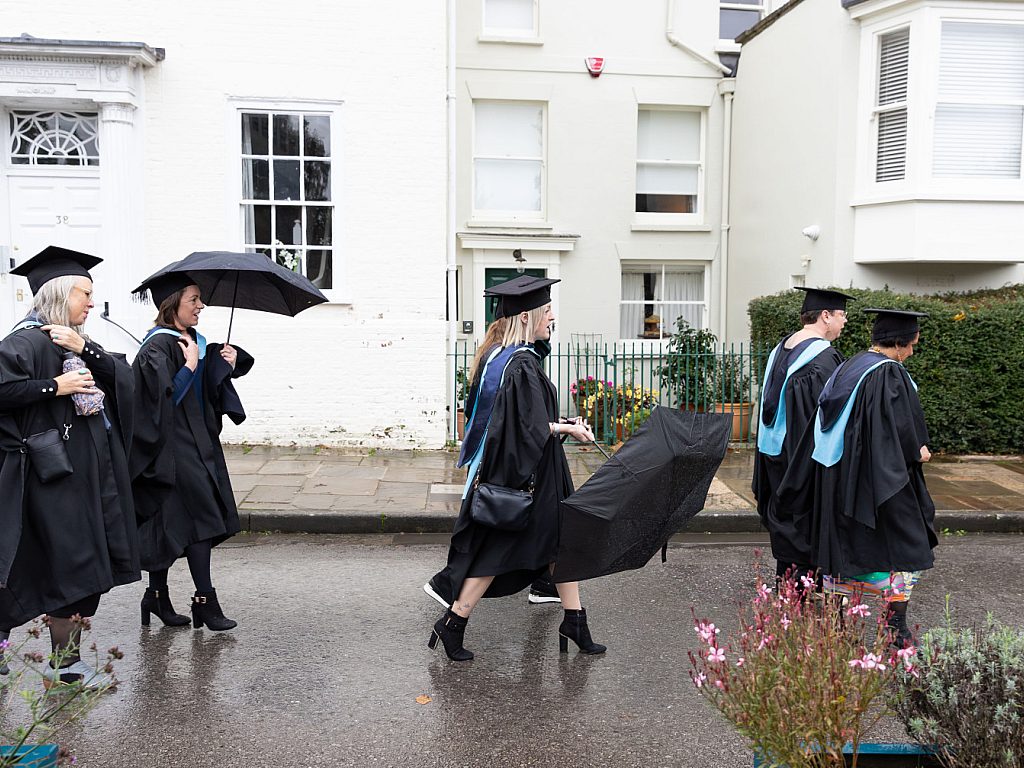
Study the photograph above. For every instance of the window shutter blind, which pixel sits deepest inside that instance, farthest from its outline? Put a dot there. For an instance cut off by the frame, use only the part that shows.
(893, 71)
(979, 63)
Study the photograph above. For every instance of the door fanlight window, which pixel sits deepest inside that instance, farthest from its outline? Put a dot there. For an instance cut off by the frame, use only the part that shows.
(54, 138)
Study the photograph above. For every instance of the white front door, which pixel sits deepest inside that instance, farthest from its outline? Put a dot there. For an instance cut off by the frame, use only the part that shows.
(48, 210)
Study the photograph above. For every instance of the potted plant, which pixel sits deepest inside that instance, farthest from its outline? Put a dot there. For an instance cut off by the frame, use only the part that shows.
(689, 368)
(966, 694)
(802, 677)
(631, 406)
(32, 716)
(731, 392)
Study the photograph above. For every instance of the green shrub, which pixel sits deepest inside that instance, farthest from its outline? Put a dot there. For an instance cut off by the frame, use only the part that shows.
(965, 694)
(968, 365)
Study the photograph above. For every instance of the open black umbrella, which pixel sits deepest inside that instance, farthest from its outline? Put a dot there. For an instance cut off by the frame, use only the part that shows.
(246, 281)
(628, 509)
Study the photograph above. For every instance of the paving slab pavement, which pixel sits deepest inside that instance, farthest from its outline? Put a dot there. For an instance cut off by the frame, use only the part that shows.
(323, 490)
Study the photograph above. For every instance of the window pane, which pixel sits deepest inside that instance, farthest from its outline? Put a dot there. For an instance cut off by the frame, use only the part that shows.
(257, 224)
(732, 23)
(288, 219)
(289, 258)
(978, 140)
(507, 185)
(668, 135)
(666, 179)
(670, 313)
(319, 268)
(891, 162)
(893, 66)
(318, 225)
(286, 134)
(982, 61)
(666, 203)
(286, 180)
(318, 180)
(255, 179)
(509, 15)
(509, 130)
(255, 134)
(317, 135)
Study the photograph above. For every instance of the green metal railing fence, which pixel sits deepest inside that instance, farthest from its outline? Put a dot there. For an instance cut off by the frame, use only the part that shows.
(615, 385)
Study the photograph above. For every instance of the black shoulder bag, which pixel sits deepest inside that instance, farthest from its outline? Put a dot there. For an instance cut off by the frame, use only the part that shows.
(47, 453)
(507, 509)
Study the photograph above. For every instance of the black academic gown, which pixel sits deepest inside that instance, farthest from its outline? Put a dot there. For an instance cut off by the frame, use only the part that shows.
(72, 538)
(182, 490)
(872, 510)
(518, 444)
(789, 526)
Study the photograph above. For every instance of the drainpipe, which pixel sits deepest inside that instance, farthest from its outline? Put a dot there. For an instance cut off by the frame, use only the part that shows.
(451, 267)
(671, 35)
(727, 88)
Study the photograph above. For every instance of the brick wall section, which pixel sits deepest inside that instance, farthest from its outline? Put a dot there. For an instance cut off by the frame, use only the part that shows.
(367, 373)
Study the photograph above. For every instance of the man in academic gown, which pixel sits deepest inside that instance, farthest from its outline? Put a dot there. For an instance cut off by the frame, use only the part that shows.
(70, 538)
(797, 370)
(873, 516)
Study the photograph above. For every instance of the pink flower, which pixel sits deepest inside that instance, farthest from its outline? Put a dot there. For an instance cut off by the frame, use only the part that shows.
(869, 661)
(763, 590)
(720, 685)
(707, 632)
(807, 581)
(785, 622)
(765, 640)
(906, 653)
(856, 663)
(699, 679)
(716, 655)
(740, 661)
(858, 610)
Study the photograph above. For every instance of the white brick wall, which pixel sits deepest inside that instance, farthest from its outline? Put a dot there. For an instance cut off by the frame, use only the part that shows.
(366, 373)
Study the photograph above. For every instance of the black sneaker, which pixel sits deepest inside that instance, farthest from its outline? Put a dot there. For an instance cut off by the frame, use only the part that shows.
(543, 591)
(433, 591)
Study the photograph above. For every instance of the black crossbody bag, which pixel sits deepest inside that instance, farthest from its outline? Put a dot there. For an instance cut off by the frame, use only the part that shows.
(506, 509)
(47, 453)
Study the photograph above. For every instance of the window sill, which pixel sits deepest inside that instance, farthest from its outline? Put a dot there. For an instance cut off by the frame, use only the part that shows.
(507, 224)
(654, 227)
(937, 197)
(509, 40)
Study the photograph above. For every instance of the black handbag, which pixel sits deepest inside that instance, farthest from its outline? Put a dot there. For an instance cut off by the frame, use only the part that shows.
(49, 456)
(507, 509)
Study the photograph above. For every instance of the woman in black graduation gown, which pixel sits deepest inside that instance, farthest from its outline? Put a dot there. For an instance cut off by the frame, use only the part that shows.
(183, 494)
(518, 439)
(797, 370)
(873, 515)
(69, 538)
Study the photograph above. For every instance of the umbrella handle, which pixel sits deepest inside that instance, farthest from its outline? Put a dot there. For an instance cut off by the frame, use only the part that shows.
(231, 320)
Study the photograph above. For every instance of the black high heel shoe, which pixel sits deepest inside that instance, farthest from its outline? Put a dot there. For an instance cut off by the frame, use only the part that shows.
(574, 627)
(156, 602)
(450, 629)
(206, 610)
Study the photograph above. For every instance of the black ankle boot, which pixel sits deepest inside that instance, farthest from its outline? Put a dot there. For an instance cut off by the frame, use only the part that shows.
(574, 627)
(451, 630)
(156, 602)
(206, 610)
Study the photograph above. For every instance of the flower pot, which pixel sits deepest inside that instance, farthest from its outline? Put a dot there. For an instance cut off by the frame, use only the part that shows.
(33, 756)
(460, 423)
(885, 756)
(741, 416)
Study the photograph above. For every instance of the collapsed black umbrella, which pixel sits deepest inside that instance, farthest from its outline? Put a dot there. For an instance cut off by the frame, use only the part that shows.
(628, 509)
(243, 280)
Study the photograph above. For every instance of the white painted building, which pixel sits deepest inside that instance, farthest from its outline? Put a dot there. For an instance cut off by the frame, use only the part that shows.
(610, 180)
(889, 132)
(314, 131)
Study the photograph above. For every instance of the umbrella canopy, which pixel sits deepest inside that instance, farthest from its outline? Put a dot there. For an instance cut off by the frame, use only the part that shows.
(630, 507)
(246, 281)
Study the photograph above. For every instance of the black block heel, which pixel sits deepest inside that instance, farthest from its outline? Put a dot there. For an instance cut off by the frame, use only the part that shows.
(156, 602)
(206, 610)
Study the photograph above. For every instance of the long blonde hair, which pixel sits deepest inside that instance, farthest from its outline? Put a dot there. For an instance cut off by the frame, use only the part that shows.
(522, 333)
(495, 333)
(50, 302)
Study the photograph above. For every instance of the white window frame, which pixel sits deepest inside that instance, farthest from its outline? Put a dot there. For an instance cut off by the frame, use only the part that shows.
(503, 35)
(725, 45)
(694, 267)
(657, 220)
(341, 292)
(512, 217)
(919, 183)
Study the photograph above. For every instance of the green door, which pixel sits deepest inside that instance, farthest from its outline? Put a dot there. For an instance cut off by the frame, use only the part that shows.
(493, 277)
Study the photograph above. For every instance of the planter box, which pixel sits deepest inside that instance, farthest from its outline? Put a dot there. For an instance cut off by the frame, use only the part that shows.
(742, 413)
(885, 756)
(34, 756)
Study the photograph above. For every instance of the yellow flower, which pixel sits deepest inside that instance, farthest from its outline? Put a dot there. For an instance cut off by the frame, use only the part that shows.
(960, 316)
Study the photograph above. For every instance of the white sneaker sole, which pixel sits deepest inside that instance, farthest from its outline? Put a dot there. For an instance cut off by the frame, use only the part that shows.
(541, 599)
(431, 593)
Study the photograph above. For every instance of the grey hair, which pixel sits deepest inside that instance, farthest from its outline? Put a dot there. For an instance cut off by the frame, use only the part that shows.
(50, 302)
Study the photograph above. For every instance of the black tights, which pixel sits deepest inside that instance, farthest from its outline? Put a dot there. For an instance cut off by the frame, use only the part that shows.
(198, 557)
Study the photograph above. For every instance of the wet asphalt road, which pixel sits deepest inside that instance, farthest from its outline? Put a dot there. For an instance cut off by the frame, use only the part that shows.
(330, 656)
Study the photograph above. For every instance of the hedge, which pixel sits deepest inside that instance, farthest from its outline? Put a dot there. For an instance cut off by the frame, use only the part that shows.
(969, 364)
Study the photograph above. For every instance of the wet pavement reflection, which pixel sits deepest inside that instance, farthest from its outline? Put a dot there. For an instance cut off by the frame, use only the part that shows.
(330, 656)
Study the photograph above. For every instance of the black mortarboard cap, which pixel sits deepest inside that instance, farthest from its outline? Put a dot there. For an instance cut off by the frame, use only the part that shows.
(817, 299)
(54, 261)
(521, 294)
(891, 323)
(160, 286)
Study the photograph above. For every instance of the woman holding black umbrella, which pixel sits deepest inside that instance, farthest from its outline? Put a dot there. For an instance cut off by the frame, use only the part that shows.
(182, 491)
(512, 442)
